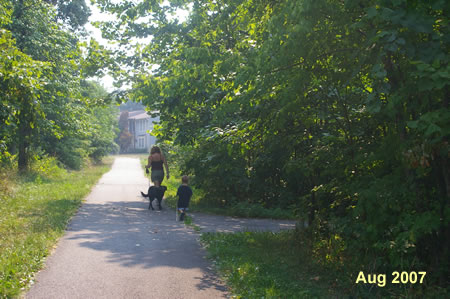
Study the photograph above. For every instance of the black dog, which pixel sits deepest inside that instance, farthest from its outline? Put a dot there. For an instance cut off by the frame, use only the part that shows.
(155, 192)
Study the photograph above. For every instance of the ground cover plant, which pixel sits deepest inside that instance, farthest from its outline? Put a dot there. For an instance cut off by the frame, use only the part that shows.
(35, 209)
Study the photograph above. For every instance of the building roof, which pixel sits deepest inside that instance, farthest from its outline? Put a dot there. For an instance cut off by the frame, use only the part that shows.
(142, 115)
(133, 114)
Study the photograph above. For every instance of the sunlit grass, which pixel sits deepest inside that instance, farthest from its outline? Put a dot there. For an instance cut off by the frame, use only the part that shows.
(269, 265)
(34, 212)
(288, 265)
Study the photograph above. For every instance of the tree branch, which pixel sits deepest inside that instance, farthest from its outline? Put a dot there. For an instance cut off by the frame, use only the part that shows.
(318, 57)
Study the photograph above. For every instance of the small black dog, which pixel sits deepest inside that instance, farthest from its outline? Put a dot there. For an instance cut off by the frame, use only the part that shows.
(155, 192)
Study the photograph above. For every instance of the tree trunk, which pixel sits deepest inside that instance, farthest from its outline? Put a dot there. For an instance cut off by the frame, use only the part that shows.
(25, 121)
(23, 147)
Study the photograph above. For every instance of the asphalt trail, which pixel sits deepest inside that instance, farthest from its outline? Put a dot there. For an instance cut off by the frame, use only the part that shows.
(115, 248)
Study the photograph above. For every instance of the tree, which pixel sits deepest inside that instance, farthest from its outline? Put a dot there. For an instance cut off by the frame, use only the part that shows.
(125, 138)
(338, 108)
(102, 117)
(22, 87)
(47, 108)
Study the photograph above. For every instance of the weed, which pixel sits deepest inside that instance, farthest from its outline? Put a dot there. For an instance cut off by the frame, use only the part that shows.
(189, 222)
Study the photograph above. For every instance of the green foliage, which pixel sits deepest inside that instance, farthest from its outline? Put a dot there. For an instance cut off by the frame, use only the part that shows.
(75, 12)
(97, 58)
(292, 264)
(21, 78)
(244, 209)
(103, 124)
(337, 110)
(47, 168)
(80, 129)
(46, 107)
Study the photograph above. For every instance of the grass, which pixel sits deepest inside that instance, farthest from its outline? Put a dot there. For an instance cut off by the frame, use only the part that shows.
(35, 210)
(289, 264)
(188, 221)
(269, 265)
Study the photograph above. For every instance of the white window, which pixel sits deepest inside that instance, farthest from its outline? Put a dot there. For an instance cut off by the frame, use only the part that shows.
(141, 142)
(144, 125)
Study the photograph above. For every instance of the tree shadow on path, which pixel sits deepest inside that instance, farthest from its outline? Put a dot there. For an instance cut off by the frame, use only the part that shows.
(133, 236)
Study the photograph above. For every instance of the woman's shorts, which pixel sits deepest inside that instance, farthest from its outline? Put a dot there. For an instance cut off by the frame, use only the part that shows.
(157, 175)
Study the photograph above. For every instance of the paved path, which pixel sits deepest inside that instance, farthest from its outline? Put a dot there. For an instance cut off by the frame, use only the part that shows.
(116, 248)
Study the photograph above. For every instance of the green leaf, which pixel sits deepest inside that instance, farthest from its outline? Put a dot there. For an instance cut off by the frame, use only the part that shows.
(371, 12)
(431, 129)
(413, 124)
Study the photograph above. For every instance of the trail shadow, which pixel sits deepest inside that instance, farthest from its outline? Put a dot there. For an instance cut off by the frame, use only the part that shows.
(209, 280)
(134, 236)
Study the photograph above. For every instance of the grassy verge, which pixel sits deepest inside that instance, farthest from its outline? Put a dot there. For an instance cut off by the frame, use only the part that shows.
(35, 210)
(269, 265)
(289, 265)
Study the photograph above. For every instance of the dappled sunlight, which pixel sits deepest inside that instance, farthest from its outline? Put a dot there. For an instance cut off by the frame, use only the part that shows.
(114, 246)
(132, 236)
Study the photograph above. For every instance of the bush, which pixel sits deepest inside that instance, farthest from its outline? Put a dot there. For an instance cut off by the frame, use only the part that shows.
(72, 153)
(102, 148)
(47, 167)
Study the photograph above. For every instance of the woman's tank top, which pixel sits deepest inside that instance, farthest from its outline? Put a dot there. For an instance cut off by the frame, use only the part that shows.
(157, 165)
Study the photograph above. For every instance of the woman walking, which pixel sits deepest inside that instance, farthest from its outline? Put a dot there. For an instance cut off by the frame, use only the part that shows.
(156, 160)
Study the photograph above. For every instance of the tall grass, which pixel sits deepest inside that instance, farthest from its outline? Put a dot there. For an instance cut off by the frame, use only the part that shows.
(34, 211)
